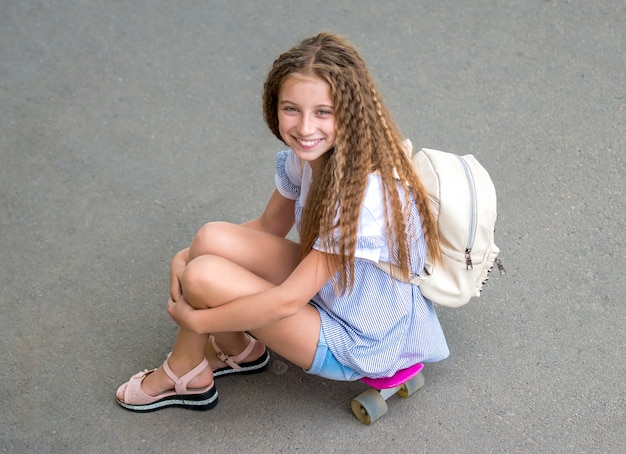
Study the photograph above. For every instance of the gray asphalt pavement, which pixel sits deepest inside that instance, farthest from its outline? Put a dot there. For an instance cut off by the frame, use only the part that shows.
(124, 126)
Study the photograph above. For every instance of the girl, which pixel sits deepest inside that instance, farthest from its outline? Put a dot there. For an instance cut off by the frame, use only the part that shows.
(322, 304)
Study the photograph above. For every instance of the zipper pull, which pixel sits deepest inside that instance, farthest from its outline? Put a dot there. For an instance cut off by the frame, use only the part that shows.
(500, 267)
(468, 259)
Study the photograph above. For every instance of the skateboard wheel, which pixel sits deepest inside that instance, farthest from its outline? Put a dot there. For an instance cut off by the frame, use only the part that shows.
(369, 406)
(411, 386)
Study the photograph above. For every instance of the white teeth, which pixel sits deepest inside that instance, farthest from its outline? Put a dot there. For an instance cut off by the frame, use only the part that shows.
(308, 143)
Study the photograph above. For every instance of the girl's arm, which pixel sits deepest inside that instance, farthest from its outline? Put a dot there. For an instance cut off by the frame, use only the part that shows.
(278, 217)
(262, 309)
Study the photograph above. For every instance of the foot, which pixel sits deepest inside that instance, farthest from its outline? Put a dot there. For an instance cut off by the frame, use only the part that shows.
(248, 356)
(157, 382)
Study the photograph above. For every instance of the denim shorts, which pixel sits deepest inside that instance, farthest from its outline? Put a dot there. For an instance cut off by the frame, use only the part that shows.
(326, 365)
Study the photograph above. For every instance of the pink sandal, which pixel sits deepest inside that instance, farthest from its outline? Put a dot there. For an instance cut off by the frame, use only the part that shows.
(234, 364)
(197, 399)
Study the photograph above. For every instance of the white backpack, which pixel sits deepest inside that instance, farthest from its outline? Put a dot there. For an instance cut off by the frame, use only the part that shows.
(463, 202)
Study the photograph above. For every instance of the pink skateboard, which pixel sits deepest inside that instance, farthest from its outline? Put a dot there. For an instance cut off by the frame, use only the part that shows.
(372, 403)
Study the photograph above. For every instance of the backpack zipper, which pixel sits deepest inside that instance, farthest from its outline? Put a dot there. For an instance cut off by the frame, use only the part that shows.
(469, 241)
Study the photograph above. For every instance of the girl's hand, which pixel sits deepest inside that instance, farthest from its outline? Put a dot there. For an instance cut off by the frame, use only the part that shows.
(179, 262)
(182, 313)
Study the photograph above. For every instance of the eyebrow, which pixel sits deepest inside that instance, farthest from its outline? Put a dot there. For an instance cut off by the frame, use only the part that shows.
(325, 106)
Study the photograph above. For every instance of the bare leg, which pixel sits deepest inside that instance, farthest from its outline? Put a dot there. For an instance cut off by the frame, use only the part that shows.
(210, 280)
(252, 250)
(187, 353)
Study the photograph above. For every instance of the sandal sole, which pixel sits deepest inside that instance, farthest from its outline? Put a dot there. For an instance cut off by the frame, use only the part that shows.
(198, 402)
(258, 365)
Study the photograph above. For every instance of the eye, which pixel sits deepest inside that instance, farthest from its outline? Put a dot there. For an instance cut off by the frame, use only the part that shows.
(324, 113)
(289, 109)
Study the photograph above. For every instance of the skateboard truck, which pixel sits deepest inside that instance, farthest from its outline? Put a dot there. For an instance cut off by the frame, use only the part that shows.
(372, 403)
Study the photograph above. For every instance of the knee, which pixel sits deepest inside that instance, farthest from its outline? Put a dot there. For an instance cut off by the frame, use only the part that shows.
(209, 239)
(199, 280)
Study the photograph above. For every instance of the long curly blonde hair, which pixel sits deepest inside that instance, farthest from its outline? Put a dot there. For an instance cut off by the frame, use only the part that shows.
(367, 141)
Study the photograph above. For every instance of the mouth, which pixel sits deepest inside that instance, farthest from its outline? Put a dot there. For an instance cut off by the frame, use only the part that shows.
(308, 143)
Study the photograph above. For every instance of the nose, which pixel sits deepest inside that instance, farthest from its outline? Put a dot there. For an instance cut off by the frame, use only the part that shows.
(306, 126)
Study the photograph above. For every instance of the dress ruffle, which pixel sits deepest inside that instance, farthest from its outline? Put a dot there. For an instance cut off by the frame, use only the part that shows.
(283, 183)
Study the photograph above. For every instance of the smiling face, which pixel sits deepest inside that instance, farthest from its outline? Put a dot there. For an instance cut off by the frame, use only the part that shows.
(306, 118)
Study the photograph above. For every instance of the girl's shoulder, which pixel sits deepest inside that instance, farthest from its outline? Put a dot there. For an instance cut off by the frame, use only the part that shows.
(288, 174)
(287, 162)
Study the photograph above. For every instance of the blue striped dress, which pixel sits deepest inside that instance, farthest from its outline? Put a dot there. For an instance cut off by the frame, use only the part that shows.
(382, 325)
